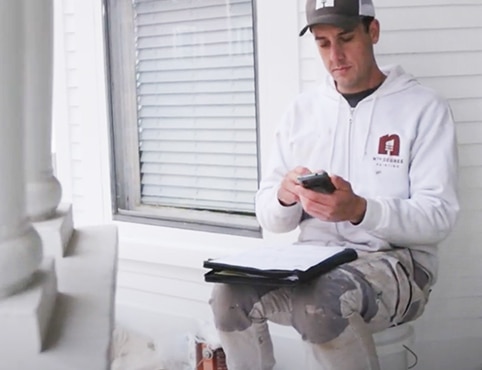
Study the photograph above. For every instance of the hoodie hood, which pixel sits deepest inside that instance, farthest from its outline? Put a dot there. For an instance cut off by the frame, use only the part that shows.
(397, 80)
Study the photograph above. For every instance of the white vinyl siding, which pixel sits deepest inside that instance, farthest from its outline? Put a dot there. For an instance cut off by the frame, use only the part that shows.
(440, 42)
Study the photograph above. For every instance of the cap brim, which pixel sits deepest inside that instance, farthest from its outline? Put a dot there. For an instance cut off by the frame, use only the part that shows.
(340, 21)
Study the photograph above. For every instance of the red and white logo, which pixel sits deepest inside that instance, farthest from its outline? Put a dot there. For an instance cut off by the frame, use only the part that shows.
(389, 145)
(389, 152)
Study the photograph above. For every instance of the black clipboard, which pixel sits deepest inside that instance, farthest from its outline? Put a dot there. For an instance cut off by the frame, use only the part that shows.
(232, 274)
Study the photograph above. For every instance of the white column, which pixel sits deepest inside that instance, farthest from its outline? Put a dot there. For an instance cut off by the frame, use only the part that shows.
(43, 189)
(20, 245)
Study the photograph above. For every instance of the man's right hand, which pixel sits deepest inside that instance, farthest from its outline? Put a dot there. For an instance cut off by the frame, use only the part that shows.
(287, 194)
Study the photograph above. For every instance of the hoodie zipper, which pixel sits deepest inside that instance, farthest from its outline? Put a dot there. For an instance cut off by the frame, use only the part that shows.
(348, 154)
(350, 124)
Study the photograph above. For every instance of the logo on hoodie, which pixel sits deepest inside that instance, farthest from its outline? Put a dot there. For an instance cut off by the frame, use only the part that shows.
(389, 145)
(388, 152)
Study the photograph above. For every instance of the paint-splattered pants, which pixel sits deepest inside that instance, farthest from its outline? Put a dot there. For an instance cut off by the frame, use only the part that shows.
(335, 314)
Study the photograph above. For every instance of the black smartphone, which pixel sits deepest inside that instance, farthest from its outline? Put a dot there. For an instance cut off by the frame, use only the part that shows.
(318, 181)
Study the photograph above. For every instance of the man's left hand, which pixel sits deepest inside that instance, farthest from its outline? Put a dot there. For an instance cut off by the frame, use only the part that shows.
(342, 205)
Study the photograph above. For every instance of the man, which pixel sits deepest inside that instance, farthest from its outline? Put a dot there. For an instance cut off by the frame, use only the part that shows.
(389, 145)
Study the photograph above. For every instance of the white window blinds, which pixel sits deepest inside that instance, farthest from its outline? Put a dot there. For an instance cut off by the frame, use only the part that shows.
(196, 104)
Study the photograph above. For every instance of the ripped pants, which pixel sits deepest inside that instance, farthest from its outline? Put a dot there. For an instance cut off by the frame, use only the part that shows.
(335, 314)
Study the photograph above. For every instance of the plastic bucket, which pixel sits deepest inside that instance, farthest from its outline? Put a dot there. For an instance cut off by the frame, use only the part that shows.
(391, 346)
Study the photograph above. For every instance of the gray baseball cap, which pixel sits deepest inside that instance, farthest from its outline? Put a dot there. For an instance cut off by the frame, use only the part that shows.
(340, 13)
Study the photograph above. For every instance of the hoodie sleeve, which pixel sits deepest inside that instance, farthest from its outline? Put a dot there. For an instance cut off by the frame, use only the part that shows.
(430, 213)
(271, 214)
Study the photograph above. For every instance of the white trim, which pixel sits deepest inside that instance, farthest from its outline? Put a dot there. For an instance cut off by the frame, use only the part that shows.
(278, 66)
(61, 125)
(102, 111)
(92, 91)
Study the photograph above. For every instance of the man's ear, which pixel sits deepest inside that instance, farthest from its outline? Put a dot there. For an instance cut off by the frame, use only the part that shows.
(374, 31)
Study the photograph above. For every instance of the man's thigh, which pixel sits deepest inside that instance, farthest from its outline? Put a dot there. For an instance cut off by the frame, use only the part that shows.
(379, 286)
(388, 292)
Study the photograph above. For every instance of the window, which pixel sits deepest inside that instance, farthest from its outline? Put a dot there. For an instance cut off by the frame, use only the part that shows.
(183, 107)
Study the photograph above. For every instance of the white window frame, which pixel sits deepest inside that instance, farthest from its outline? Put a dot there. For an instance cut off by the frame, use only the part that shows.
(126, 162)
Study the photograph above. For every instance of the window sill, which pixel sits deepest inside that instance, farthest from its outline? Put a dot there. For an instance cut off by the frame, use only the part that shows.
(176, 247)
(206, 221)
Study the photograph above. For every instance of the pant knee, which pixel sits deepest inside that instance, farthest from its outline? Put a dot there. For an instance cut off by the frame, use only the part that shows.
(231, 305)
(319, 323)
(319, 311)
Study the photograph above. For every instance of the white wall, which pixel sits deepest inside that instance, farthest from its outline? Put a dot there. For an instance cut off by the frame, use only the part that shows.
(444, 49)
(160, 284)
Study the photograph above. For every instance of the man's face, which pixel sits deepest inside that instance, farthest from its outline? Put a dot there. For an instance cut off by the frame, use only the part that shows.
(348, 55)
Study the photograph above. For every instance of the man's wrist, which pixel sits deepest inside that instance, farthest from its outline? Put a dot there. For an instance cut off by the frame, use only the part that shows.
(280, 194)
(286, 204)
(360, 210)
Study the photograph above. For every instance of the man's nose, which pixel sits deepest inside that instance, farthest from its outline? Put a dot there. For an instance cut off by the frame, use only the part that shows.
(336, 53)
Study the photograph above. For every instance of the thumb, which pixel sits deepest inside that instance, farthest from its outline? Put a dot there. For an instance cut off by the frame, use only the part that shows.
(340, 183)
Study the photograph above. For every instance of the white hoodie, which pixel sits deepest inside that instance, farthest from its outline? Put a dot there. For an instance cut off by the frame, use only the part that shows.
(398, 150)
